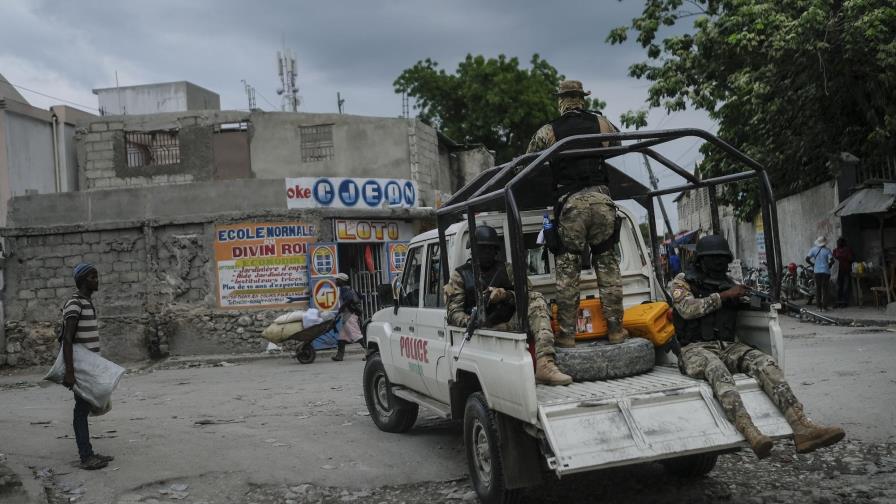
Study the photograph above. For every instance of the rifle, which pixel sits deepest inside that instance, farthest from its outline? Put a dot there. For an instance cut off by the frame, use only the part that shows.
(756, 298)
(472, 325)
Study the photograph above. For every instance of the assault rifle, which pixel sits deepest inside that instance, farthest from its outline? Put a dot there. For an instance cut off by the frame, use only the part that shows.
(757, 297)
(472, 325)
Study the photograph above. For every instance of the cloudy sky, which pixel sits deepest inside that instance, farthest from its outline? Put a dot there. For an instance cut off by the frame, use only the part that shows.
(65, 49)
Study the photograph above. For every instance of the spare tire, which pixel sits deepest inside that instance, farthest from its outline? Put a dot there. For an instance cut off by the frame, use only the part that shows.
(598, 360)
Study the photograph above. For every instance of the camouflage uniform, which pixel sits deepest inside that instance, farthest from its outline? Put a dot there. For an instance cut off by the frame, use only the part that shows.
(587, 219)
(715, 361)
(539, 316)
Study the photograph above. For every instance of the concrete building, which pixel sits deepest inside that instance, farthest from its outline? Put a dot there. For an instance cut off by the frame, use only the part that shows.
(37, 148)
(156, 98)
(207, 224)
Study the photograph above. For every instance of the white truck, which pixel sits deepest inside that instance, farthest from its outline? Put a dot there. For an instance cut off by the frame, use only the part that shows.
(514, 430)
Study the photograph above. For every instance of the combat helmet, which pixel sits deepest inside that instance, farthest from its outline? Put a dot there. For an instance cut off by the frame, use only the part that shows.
(486, 235)
(711, 245)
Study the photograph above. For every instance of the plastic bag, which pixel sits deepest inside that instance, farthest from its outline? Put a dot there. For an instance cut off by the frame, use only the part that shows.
(95, 377)
(312, 317)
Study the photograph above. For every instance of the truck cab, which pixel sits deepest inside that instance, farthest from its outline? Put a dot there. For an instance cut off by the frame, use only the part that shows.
(514, 430)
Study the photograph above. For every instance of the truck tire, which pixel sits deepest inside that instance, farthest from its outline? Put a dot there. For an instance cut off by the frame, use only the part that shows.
(601, 361)
(691, 466)
(483, 449)
(389, 413)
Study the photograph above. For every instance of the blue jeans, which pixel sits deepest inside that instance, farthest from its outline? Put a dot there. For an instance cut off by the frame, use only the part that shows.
(82, 431)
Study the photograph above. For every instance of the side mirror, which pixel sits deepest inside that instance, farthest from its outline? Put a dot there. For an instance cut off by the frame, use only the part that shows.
(396, 292)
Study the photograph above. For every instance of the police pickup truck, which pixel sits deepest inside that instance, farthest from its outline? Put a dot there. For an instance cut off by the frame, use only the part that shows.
(516, 432)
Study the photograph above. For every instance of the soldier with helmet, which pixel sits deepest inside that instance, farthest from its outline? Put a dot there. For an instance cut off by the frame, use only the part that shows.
(706, 302)
(496, 280)
(586, 215)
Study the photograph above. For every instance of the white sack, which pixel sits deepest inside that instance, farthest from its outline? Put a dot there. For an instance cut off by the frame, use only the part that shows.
(278, 333)
(293, 316)
(95, 377)
(312, 317)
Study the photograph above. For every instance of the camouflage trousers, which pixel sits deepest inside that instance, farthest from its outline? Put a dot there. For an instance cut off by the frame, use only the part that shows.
(711, 362)
(539, 324)
(587, 219)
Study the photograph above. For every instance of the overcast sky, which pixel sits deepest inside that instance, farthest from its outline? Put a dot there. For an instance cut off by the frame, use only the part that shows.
(65, 49)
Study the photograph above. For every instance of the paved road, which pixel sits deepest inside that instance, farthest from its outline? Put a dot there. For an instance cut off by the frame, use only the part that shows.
(282, 432)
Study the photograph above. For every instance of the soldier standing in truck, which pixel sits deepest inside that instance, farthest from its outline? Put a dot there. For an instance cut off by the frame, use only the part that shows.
(586, 214)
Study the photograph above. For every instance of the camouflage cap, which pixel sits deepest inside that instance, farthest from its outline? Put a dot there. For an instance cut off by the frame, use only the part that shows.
(571, 88)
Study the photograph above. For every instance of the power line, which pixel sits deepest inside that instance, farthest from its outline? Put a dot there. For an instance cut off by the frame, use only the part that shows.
(266, 100)
(23, 88)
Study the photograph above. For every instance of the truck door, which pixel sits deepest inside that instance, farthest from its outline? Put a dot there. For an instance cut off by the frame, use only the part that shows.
(408, 352)
(431, 322)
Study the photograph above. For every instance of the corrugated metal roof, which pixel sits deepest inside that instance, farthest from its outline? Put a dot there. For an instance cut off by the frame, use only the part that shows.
(866, 201)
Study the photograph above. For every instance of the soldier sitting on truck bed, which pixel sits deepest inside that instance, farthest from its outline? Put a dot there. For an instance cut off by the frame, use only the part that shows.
(706, 301)
(497, 279)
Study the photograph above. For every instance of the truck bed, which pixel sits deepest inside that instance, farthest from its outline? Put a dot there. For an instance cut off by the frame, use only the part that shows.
(655, 415)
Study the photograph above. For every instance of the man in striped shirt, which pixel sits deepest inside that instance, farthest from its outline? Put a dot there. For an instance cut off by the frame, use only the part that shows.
(81, 328)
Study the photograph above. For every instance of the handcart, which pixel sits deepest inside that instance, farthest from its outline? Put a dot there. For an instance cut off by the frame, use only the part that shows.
(305, 352)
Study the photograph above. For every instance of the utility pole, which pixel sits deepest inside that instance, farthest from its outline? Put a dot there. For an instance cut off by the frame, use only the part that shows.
(653, 182)
(339, 101)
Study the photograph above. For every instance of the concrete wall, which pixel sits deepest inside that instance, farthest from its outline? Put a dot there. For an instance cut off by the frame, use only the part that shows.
(156, 98)
(30, 155)
(361, 146)
(154, 248)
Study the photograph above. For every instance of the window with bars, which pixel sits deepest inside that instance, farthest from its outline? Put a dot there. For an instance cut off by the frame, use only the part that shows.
(317, 142)
(152, 148)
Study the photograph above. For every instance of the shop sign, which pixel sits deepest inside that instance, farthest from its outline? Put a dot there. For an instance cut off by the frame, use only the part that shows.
(323, 260)
(325, 294)
(340, 192)
(262, 264)
(365, 231)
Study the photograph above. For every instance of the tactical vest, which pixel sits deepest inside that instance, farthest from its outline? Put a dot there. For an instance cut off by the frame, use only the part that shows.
(719, 325)
(581, 172)
(496, 313)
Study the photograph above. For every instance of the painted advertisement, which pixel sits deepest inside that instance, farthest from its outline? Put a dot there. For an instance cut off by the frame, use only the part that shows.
(396, 252)
(323, 260)
(262, 264)
(325, 294)
(340, 192)
(371, 230)
(760, 238)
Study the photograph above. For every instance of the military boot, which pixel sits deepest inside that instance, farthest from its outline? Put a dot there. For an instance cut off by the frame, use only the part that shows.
(759, 442)
(340, 351)
(546, 372)
(615, 332)
(809, 436)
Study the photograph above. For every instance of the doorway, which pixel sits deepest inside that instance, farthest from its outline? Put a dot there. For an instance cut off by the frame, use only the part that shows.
(363, 262)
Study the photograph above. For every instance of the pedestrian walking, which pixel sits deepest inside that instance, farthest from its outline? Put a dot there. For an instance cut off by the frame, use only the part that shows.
(80, 328)
(350, 311)
(844, 256)
(821, 259)
(586, 214)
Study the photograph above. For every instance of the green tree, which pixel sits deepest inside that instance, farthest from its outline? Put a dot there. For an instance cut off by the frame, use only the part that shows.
(489, 101)
(790, 82)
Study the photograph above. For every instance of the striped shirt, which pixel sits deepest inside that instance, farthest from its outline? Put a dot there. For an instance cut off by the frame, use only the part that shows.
(87, 333)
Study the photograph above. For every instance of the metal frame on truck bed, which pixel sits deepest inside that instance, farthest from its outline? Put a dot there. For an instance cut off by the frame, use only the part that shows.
(522, 183)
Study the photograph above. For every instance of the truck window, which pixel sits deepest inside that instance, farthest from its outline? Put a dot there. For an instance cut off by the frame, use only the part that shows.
(410, 278)
(537, 256)
(432, 296)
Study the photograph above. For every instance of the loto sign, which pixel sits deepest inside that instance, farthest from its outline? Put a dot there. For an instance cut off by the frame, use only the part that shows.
(360, 231)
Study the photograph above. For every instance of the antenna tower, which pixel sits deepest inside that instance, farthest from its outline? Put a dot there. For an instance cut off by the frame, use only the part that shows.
(250, 95)
(286, 69)
(405, 106)
(340, 101)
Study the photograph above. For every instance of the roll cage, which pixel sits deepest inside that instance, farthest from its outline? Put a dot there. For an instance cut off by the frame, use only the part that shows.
(520, 185)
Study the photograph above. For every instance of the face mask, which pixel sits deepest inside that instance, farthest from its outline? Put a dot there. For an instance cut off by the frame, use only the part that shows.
(486, 257)
(715, 266)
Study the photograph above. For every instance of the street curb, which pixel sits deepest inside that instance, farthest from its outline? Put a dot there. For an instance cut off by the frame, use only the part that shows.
(848, 322)
(238, 358)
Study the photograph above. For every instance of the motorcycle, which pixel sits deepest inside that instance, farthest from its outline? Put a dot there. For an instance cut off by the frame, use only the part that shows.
(806, 282)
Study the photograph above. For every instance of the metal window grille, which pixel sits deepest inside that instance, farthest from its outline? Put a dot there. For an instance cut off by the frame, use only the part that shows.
(154, 148)
(317, 142)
